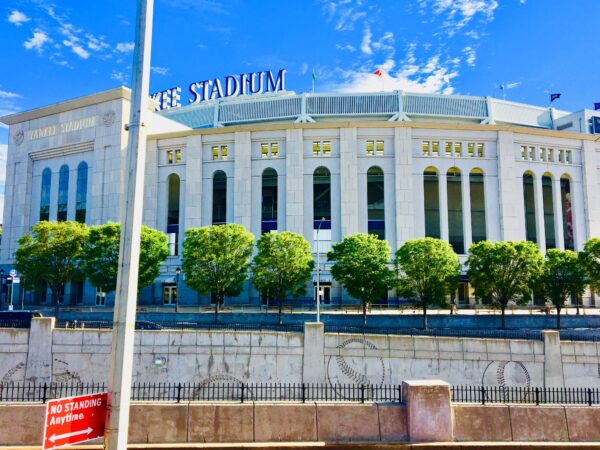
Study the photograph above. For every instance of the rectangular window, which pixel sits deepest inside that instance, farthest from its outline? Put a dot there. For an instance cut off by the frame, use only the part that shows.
(264, 150)
(169, 156)
(379, 148)
(531, 155)
(215, 152)
(480, 150)
(561, 155)
(435, 148)
(178, 156)
(326, 148)
(100, 297)
(448, 149)
(458, 149)
(274, 150)
(471, 149)
(569, 154)
(542, 154)
(425, 148)
(370, 148)
(523, 152)
(551, 155)
(224, 151)
(316, 148)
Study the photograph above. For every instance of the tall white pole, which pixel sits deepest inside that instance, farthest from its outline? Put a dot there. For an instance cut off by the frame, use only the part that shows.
(119, 384)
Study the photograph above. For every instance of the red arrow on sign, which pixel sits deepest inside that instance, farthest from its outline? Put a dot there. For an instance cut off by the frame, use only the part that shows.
(74, 419)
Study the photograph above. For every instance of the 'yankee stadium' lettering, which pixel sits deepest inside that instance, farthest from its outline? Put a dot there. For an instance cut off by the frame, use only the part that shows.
(233, 85)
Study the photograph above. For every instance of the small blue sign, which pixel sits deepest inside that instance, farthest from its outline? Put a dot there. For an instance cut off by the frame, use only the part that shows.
(596, 125)
(12, 273)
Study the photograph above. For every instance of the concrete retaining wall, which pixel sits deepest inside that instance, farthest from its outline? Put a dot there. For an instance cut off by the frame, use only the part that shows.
(44, 354)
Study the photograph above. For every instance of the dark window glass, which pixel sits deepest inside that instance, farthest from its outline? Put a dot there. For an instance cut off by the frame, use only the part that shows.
(567, 214)
(548, 212)
(375, 202)
(530, 230)
(81, 196)
(63, 193)
(431, 196)
(219, 213)
(455, 211)
(173, 195)
(478, 225)
(322, 198)
(269, 200)
(45, 195)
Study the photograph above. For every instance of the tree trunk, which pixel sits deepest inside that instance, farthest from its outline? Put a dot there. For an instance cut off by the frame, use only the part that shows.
(424, 316)
(558, 318)
(280, 301)
(217, 307)
(503, 309)
(364, 313)
(576, 302)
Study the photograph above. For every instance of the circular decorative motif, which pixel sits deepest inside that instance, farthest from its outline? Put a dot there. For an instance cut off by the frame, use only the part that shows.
(108, 118)
(19, 137)
(343, 370)
(505, 374)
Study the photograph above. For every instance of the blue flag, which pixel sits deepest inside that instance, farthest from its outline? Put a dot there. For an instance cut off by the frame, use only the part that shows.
(596, 106)
(554, 97)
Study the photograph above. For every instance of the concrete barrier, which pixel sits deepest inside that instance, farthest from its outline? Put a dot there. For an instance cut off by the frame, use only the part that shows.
(285, 423)
(539, 423)
(21, 424)
(481, 423)
(220, 423)
(346, 423)
(428, 410)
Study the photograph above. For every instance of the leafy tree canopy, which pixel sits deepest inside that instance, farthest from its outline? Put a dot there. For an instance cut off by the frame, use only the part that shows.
(590, 259)
(216, 259)
(501, 272)
(50, 255)
(283, 265)
(360, 265)
(428, 271)
(101, 255)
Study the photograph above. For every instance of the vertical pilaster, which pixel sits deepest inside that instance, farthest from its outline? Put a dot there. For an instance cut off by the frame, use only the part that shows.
(578, 213)
(313, 361)
(466, 210)
(348, 181)
(558, 215)
(512, 224)
(39, 350)
(294, 194)
(590, 161)
(538, 195)
(242, 182)
(553, 368)
(405, 196)
(191, 204)
(443, 194)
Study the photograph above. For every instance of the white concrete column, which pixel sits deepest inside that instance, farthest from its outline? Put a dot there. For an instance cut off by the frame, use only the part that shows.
(558, 215)
(493, 230)
(39, 350)
(405, 195)
(578, 213)
(348, 181)
(443, 194)
(553, 368)
(538, 196)
(590, 161)
(191, 204)
(242, 182)
(465, 191)
(510, 181)
(294, 194)
(313, 361)
(428, 410)
(72, 191)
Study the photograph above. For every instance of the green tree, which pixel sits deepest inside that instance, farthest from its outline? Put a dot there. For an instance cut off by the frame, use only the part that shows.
(502, 272)
(216, 260)
(590, 260)
(562, 276)
(282, 266)
(101, 255)
(428, 271)
(51, 256)
(360, 265)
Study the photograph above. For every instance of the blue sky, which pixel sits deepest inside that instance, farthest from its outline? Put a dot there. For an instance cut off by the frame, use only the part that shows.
(57, 50)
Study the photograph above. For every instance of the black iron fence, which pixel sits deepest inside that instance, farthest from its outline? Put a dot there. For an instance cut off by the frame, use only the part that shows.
(526, 395)
(233, 392)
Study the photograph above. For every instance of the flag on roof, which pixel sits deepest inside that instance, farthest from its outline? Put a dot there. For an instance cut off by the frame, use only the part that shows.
(378, 72)
(314, 75)
(554, 97)
(596, 106)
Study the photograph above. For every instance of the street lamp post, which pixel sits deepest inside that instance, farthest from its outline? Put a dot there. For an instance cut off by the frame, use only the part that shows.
(319, 273)
(177, 272)
(2, 281)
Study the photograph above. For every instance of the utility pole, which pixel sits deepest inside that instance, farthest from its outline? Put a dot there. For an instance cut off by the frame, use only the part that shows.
(119, 384)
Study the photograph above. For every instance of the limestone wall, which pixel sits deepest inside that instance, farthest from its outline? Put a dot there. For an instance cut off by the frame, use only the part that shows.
(44, 354)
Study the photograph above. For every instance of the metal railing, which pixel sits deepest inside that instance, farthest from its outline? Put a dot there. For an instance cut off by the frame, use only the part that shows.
(526, 395)
(211, 392)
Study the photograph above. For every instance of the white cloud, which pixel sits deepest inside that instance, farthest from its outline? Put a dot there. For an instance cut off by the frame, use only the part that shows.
(96, 44)
(345, 47)
(512, 85)
(77, 49)
(303, 68)
(365, 45)
(118, 76)
(6, 94)
(344, 13)
(18, 18)
(159, 70)
(37, 41)
(470, 55)
(458, 13)
(124, 47)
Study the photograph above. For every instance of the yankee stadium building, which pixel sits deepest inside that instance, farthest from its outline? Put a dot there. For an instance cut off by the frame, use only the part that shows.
(243, 150)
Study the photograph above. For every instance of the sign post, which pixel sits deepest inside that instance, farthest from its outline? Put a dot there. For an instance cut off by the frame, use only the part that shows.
(74, 419)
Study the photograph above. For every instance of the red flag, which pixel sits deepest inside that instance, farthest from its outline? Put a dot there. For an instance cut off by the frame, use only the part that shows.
(378, 72)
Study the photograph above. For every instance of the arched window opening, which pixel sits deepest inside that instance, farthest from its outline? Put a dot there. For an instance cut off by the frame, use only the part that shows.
(269, 201)
(548, 211)
(375, 202)
(530, 230)
(45, 194)
(567, 213)
(456, 234)
(81, 196)
(431, 200)
(174, 188)
(63, 193)
(478, 225)
(322, 210)
(219, 212)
